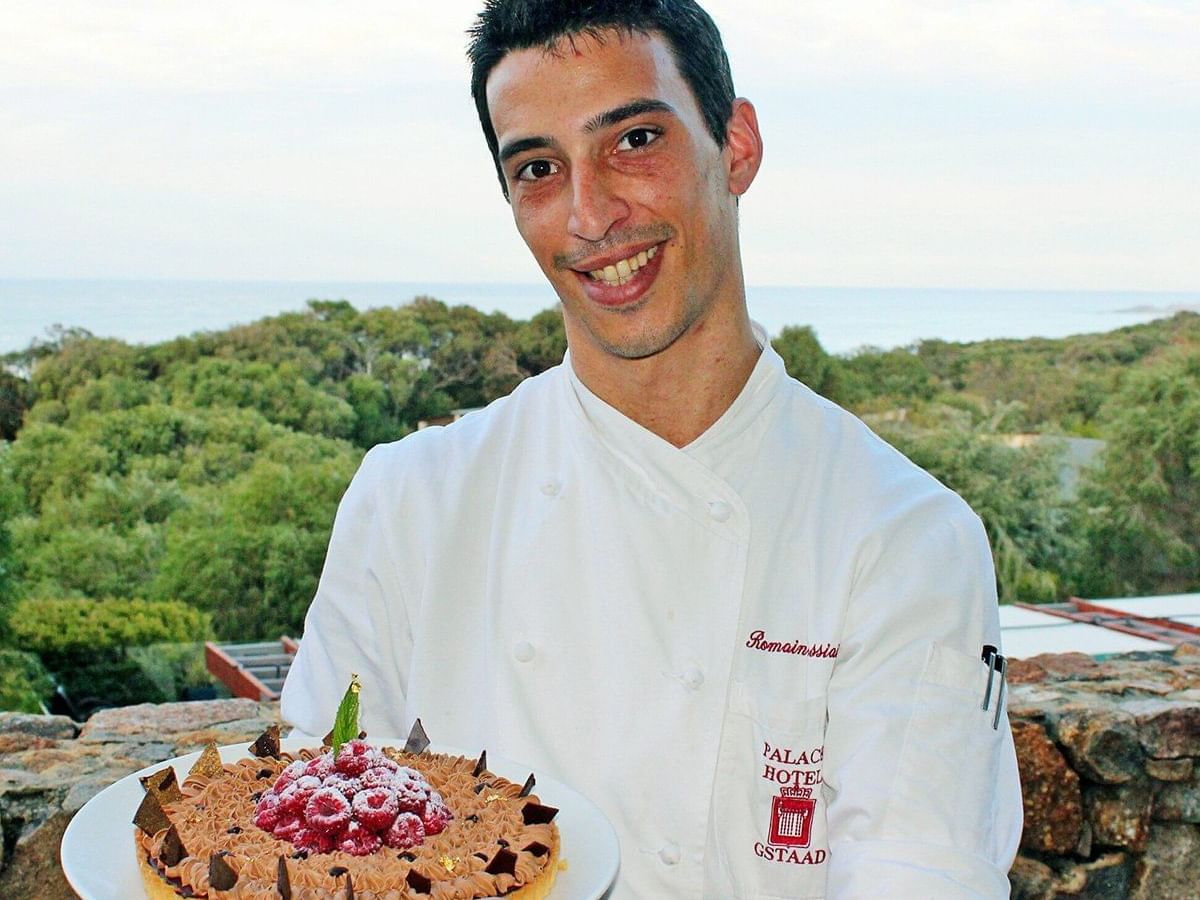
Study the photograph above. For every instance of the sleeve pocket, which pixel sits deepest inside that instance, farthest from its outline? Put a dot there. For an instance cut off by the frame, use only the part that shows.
(948, 772)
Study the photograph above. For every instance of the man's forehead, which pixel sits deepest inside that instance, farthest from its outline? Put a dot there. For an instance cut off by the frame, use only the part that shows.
(569, 83)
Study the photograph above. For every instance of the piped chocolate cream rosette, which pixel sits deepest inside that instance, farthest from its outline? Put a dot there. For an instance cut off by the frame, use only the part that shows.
(345, 821)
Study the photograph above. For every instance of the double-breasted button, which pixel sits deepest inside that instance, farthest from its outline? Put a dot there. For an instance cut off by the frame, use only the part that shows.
(693, 678)
(720, 511)
(669, 854)
(523, 651)
(551, 488)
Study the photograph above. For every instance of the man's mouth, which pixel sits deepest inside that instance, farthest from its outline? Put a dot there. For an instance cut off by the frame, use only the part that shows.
(623, 270)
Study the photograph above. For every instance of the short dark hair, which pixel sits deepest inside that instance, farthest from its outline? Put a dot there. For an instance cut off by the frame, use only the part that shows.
(695, 42)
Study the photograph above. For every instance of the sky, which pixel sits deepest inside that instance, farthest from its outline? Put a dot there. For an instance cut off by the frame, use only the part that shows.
(1033, 144)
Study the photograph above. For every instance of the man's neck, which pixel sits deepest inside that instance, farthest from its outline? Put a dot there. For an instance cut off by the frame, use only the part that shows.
(680, 392)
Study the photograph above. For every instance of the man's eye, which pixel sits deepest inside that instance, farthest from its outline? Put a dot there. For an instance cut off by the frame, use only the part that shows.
(638, 138)
(538, 168)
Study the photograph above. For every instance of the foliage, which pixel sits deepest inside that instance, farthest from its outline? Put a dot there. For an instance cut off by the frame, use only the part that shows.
(25, 685)
(89, 644)
(1142, 507)
(202, 474)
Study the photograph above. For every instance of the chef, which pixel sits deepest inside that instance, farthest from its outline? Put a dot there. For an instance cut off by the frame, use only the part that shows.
(665, 572)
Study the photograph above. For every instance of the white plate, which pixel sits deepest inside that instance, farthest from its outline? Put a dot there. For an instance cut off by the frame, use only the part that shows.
(99, 860)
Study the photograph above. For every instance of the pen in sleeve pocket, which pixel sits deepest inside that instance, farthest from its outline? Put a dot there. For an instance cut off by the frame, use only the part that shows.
(995, 662)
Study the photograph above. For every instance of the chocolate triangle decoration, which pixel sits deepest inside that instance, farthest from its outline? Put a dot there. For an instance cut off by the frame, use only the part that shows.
(220, 876)
(208, 765)
(327, 741)
(418, 740)
(150, 816)
(537, 848)
(480, 765)
(537, 814)
(418, 882)
(283, 881)
(267, 744)
(528, 786)
(172, 852)
(503, 863)
(163, 784)
(349, 886)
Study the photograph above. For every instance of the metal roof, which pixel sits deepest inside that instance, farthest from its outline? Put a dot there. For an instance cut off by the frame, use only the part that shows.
(1078, 627)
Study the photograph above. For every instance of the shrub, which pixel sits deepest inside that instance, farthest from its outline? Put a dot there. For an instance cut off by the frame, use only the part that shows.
(24, 682)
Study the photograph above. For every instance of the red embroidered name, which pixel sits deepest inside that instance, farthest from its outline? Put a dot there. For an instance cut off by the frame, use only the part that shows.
(758, 641)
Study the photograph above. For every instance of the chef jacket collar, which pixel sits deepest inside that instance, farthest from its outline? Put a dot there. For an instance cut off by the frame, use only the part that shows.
(684, 476)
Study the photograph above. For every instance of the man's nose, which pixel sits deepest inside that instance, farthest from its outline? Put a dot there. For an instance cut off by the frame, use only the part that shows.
(595, 205)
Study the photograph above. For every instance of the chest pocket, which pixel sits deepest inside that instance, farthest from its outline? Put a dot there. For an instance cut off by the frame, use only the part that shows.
(767, 832)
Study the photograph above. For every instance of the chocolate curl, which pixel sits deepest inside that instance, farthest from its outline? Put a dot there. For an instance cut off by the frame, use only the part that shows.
(418, 882)
(208, 765)
(220, 876)
(528, 786)
(150, 815)
(537, 814)
(162, 784)
(480, 765)
(418, 740)
(267, 744)
(173, 851)
(503, 863)
(283, 881)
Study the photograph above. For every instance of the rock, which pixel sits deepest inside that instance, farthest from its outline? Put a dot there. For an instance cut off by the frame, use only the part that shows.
(160, 721)
(1101, 744)
(1119, 814)
(55, 727)
(1051, 796)
(18, 741)
(1169, 729)
(1179, 802)
(1030, 879)
(1107, 877)
(1053, 667)
(33, 871)
(1170, 769)
(1170, 867)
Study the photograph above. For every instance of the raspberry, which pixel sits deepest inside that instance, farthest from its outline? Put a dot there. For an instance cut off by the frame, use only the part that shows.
(319, 766)
(266, 813)
(288, 775)
(376, 808)
(407, 831)
(293, 800)
(436, 814)
(344, 783)
(313, 841)
(354, 758)
(384, 762)
(376, 778)
(327, 810)
(288, 827)
(409, 798)
(359, 840)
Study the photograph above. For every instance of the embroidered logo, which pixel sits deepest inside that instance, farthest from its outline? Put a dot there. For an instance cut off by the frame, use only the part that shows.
(792, 817)
(758, 641)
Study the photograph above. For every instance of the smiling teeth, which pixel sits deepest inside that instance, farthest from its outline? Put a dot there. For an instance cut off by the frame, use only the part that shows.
(623, 272)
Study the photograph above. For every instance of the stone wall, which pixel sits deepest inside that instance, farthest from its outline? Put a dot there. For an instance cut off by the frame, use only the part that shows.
(1108, 755)
(1110, 776)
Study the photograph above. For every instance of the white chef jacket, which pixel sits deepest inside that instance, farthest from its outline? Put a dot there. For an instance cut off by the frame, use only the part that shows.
(758, 654)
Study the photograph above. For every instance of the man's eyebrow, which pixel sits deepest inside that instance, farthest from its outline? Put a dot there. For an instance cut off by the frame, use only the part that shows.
(627, 111)
(508, 151)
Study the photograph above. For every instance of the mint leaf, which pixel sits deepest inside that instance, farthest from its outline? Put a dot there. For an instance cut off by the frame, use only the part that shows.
(345, 723)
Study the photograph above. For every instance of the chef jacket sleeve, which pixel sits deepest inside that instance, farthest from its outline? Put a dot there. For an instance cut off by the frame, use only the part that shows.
(923, 794)
(357, 623)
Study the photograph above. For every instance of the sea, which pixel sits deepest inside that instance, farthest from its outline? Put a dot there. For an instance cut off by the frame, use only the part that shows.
(845, 319)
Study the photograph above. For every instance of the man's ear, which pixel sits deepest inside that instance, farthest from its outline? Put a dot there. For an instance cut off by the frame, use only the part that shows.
(744, 146)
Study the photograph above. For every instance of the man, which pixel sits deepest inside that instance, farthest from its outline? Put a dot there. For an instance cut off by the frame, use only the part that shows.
(664, 572)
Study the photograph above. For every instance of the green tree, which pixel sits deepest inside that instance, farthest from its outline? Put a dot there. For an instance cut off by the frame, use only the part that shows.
(1141, 514)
